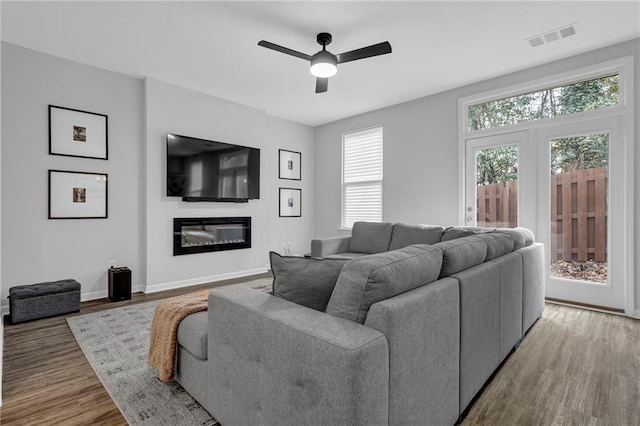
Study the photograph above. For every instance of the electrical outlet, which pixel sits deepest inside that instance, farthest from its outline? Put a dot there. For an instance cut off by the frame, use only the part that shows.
(286, 247)
(111, 263)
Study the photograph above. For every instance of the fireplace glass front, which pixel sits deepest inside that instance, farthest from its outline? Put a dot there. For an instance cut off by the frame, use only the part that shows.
(199, 235)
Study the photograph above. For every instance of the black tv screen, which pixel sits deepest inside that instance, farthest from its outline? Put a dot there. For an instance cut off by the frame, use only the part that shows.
(205, 170)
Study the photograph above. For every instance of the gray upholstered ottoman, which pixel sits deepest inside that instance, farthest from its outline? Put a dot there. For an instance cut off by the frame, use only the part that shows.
(29, 302)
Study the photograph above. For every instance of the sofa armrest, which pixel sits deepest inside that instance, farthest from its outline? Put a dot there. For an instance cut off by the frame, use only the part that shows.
(423, 333)
(271, 361)
(322, 247)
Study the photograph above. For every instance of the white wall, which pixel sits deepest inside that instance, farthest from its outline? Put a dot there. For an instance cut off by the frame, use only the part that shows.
(1, 316)
(172, 109)
(421, 151)
(138, 231)
(419, 165)
(35, 248)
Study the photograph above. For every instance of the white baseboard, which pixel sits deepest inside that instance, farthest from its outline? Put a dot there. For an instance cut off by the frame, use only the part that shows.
(84, 297)
(103, 294)
(636, 314)
(203, 280)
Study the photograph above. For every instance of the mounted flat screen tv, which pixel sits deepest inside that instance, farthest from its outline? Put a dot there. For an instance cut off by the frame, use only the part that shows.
(205, 170)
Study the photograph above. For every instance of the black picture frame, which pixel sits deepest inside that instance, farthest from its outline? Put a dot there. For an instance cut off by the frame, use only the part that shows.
(289, 165)
(78, 195)
(78, 133)
(290, 202)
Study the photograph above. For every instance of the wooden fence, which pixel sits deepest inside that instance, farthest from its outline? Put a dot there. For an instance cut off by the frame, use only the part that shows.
(497, 204)
(578, 212)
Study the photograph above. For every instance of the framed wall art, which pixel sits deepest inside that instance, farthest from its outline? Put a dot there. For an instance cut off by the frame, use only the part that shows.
(76, 133)
(77, 195)
(290, 202)
(289, 162)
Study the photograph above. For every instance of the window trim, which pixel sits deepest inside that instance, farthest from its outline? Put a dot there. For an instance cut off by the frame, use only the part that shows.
(621, 66)
(342, 182)
(624, 66)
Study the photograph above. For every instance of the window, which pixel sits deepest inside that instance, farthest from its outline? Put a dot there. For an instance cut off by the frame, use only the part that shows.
(362, 176)
(597, 93)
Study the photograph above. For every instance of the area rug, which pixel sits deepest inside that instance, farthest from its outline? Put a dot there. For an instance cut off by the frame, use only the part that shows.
(116, 344)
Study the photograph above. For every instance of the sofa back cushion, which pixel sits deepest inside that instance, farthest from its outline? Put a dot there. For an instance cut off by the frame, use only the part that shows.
(454, 232)
(404, 235)
(498, 244)
(370, 237)
(461, 253)
(522, 237)
(370, 279)
(305, 280)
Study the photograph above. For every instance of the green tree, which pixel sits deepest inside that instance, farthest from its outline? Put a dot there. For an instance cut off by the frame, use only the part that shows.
(498, 165)
(581, 152)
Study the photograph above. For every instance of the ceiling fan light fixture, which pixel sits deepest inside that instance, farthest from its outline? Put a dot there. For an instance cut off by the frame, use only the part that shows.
(324, 64)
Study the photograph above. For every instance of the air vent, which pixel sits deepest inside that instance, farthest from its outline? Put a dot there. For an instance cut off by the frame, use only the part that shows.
(536, 41)
(553, 35)
(568, 31)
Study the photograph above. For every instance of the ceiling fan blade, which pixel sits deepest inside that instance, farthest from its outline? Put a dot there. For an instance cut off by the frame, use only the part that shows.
(321, 85)
(283, 49)
(365, 52)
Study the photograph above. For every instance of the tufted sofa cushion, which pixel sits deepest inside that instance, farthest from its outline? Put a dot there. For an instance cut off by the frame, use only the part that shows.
(405, 235)
(35, 301)
(461, 253)
(43, 289)
(370, 279)
(370, 237)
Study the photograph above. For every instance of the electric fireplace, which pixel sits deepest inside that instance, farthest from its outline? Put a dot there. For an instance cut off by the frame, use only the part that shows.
(199, 235)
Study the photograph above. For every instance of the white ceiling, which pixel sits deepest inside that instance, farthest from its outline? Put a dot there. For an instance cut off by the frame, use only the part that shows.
(212, 46)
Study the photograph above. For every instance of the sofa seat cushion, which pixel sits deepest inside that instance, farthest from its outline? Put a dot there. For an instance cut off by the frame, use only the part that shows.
(498, 244)
(461, 253)
(192, 334)
(404, 235)
(370, 237)
(370, 279)
(306, 281)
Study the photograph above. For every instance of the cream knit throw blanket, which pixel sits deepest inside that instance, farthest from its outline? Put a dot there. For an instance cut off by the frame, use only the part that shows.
(164, 329)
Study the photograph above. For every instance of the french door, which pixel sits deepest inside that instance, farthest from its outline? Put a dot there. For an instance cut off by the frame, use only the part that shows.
(580, 211)
(499, 184)
(556, 180)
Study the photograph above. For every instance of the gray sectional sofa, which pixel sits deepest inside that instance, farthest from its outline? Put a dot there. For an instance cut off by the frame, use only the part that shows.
(418, 321)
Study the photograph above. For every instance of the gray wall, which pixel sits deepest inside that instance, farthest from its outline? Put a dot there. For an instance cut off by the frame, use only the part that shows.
(172, 109)
(138, 231)
(421, 151)
(38, 249)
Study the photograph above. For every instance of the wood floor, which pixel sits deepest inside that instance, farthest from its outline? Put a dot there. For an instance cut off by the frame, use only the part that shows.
(574, 367)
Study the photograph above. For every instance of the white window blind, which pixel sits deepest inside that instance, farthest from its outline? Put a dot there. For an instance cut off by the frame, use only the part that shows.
(362, 177)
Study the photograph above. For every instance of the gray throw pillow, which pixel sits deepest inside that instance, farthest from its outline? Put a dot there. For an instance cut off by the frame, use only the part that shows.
(305, 280)
(370, 279)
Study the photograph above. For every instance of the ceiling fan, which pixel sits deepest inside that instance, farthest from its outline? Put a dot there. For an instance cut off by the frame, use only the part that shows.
(324, 64)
